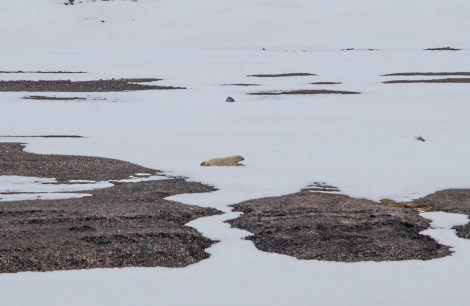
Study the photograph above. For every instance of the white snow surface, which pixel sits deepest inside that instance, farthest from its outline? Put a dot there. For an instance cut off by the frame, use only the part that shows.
(363, 144)
(19, 188)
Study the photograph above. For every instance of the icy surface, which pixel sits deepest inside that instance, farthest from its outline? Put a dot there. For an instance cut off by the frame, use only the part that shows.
(363, 144)
(19, 188)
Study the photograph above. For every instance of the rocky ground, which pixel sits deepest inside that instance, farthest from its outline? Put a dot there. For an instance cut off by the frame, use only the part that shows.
(452, 201)
(129, 224)
(81, 86)
(334, 227)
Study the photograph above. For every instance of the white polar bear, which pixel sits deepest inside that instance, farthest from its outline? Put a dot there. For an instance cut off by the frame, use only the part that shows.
(224, 161)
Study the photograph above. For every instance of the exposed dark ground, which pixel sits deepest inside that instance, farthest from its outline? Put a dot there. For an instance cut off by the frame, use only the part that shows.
(333, 227)
(303, 92)
(41, 71)
(427, 74)
(446, 80)
(326, 83)
(452, 201)
(443, 49)
(277, 75)
(129, 224)
(48, 98)
(82, 86)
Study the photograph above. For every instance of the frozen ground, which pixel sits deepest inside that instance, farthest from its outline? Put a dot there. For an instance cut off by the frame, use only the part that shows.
(363, 144)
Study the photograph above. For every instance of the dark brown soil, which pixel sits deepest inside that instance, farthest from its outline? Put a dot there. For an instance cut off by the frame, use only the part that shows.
(42, 136)
(241, 84)
(354, 49)
(292, 74)
(333, 227)
(81, 86)
(54, 98)
(130, 224)
(452, 201)
(326, 83)
(38, 71)
(428, 74)
(442, 49)
(447, 80)
(303, 92)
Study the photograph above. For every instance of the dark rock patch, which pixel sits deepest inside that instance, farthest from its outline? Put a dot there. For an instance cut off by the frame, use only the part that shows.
(41, 136)
(332, 227)
(303, 92)
(54, 98)
(443, 49)
(326, 83)
(129, 224)
(43, 72)
(451, 201)
(292, 74)
(241, 84)
(82, 86)
(354, 49)
(447, 80)
(427, 74)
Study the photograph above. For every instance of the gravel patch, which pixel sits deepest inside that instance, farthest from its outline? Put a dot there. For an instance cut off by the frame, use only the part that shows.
(127, 225)
(443, 49)
(43, 72)
(447, 80)
(427, 74)
(334, 227)
(451, 201)
(82, 86)
(291, 74)
(303, 92)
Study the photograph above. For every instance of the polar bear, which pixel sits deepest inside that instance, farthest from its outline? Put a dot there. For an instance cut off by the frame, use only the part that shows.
(224, 161)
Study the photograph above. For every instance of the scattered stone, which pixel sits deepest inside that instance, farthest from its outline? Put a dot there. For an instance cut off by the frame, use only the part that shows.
(354, 49)
(419, 138)
(321, 187)
(230, 99)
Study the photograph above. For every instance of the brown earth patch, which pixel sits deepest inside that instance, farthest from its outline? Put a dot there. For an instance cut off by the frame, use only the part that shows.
(326, 83)
(241, 84)
(82, 86)
(447, 80)
(292, 74)
(42, 136)
(354, 49)
(303, 92)
(333, 227)
(44, 72)
(129, 224)
(427, 74)
(442, 49)
(451, 201)
(54, 98)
